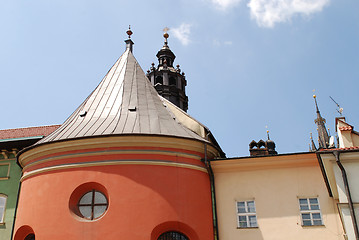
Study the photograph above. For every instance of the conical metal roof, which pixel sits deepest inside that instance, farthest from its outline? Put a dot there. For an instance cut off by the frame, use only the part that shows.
(124, 102)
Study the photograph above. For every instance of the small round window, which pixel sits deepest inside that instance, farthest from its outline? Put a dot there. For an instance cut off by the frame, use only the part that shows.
(92, 205)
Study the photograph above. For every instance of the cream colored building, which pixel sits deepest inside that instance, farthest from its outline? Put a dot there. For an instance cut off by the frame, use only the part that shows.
(341, 172)
(274, 197)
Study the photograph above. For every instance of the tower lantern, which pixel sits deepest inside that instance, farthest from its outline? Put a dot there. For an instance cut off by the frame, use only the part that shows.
(169, 81)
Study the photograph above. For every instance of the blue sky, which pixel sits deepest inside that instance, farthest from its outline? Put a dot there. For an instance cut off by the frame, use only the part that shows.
(249, 63)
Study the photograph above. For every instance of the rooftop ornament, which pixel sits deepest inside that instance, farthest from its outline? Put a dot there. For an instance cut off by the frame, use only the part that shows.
(129, 32)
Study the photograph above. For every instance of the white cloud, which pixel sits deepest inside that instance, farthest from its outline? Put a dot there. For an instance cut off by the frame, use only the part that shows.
(269, 12)
(225, 4)
(182, 33)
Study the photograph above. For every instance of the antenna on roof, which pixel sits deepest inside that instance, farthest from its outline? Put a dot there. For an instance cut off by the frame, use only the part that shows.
(339, 110)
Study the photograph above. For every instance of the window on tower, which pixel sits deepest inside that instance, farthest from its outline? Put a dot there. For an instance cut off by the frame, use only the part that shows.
(173, 81)
(92, 205)
(172, 236)
(159, 80)
(30, 236)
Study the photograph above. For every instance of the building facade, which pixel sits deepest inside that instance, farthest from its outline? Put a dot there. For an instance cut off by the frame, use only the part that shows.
(274, 197)
(131, 163)
(340, 167)
(11, 141)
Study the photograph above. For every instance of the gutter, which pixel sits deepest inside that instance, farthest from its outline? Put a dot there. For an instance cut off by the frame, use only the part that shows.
(213, 191)
(347, 191)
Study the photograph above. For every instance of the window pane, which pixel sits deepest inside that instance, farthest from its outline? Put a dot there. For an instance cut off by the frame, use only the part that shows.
(242, 218)
(252, 221)
(314, 207)
(313, 200)
(304, 207)
(303, 201)
(2, 201)
(305, 216)
(251, 207)
(307, 223)
(100, 198)
(317, 222)
(86, 199)
(85, 211)
(2, 210)
(98, 211)
(241, 207)
(243, 224)
(316, 216)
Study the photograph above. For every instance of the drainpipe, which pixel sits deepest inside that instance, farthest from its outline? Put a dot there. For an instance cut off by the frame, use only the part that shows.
(347, 191)
(17, 201)
(213, 192)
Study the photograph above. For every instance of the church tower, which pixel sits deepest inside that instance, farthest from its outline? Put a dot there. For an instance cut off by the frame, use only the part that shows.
(169, 81)
(127, 164)
(323, 136)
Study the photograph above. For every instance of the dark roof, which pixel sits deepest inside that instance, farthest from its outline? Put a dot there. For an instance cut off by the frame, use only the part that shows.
(124, 102)
(27, 132)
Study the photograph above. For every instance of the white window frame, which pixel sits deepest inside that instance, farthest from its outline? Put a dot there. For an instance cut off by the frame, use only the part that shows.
(247, 214)
(310, 211)
(2, 217)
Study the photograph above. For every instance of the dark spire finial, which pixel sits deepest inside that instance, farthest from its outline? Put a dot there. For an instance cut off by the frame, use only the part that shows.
(129, 42)
(129, 32)
(267, 133)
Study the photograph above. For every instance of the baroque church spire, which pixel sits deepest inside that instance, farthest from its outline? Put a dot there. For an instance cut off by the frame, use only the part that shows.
(169, 81)
(323, 136)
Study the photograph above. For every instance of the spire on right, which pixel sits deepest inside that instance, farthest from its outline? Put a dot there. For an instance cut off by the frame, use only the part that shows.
(323, 136)
(169, 82)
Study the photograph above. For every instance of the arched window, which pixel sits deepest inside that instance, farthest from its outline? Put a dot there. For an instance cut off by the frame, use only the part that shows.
(172, 236)
(159, 80)
(173, 81)
(31, 236)
(2, 207)
(92, 205)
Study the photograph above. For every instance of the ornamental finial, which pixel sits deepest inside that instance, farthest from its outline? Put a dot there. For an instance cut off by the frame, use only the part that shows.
(129, 32)
(166, 35)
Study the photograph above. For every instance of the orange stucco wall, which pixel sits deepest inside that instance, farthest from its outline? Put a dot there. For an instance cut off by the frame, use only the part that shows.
(144, 201)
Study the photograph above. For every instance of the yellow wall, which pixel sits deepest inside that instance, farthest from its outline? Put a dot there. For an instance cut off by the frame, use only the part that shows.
(275, 186)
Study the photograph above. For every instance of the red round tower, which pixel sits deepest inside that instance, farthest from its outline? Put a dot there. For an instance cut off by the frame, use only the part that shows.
(126, 164)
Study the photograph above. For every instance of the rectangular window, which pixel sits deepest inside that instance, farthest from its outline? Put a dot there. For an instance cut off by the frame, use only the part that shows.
(310, 212)
(4, 170)
(2, 207)
(246, 214)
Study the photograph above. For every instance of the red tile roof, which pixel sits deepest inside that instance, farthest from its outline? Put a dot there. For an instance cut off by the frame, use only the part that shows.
(347, 128)
(346, 148)
(27, 132)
